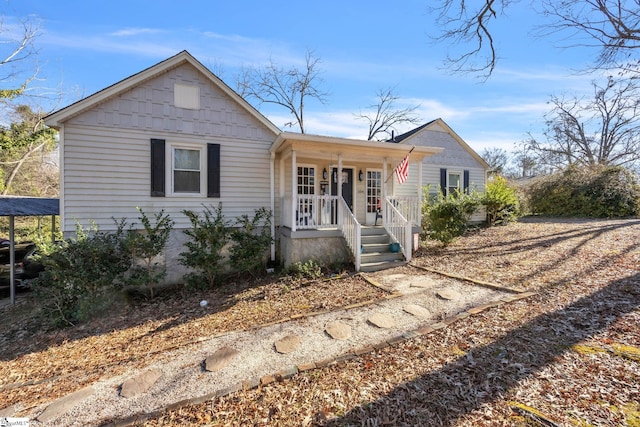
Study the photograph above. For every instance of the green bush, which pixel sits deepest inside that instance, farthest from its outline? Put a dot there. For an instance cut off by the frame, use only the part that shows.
(594, 192)
(449, 216)
(145, 246)
(81, 274)
(207, 237)
(501, 201)
(309, 269)
(251, 239)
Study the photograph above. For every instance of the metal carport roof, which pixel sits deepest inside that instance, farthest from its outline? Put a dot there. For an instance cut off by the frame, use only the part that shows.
(13, 206)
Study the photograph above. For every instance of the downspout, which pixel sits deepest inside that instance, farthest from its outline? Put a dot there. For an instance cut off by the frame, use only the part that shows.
(272, 175)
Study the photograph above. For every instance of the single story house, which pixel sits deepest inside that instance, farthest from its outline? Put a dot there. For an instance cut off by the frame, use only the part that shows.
(175, 137)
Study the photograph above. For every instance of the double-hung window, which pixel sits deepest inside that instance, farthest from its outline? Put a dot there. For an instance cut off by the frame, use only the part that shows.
(187, 170)
(179, 169)
(453, 183)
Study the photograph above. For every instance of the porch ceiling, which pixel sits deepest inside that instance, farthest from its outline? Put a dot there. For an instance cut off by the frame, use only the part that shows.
(324, 147)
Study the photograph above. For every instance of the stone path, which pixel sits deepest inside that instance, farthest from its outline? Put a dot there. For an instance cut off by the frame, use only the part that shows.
(246, 359)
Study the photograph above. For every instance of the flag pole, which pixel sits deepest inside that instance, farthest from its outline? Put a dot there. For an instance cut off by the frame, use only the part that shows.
(394, 169)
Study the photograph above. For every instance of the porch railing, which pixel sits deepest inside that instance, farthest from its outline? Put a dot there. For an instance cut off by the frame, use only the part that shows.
(310, 212)
(409, 207)
(398, 227)
(351, 230)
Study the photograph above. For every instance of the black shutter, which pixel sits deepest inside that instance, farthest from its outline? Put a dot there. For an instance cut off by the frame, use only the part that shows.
(443, 181)
(213, 170)
(465, 181)
(157, 168)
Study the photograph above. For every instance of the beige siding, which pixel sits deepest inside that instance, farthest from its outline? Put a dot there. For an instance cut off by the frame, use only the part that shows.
(101, 184)
(107, 152)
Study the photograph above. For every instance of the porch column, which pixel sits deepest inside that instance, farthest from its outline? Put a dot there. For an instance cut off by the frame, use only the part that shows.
(383, 202)
(420, 193)
(294, 188)
(339, 183)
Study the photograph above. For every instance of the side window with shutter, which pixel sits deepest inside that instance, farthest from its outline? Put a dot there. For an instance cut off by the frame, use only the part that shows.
(184, 170)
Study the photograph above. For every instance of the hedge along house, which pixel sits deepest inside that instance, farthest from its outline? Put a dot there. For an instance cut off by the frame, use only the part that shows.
(174, 137)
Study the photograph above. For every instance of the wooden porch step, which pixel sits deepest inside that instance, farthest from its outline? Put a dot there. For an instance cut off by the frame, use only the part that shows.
(376, 251)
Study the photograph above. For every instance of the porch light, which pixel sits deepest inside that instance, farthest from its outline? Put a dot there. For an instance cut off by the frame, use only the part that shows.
(324, 173)
(361, 175)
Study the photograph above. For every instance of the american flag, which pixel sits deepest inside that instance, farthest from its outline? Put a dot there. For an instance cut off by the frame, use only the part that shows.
(402, 170)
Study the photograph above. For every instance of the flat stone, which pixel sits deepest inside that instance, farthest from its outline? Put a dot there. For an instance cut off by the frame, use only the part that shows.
(448, 294)
(140, 384)
(418, 311)
(394, 277)
(9, 411)
(288, 344)
(338, 330)
(423, 282)
(62, 405)
(382, 320)
(221, 358)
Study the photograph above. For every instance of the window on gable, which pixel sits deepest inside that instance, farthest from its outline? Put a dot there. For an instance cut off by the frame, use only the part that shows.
(187, 167)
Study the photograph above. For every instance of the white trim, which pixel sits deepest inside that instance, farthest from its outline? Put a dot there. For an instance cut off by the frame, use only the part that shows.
(169, 149)
(460, 178)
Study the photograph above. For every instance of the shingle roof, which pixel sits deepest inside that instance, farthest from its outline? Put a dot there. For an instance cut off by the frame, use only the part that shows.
(28, 206)
(406, 135)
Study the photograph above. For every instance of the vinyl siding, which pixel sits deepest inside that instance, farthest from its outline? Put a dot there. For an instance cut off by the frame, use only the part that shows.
(101, 184)
(106, 150)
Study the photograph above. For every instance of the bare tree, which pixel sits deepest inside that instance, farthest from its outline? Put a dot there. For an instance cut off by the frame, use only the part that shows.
(288, 88)
(497, 158)
(604, 130)
(17, 46)
(611, 26)
(385, 116)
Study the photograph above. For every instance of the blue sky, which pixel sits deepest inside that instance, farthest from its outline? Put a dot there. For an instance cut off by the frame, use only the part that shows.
(364, 46)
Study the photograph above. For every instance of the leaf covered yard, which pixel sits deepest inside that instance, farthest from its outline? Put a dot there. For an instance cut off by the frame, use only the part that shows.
(568, 355)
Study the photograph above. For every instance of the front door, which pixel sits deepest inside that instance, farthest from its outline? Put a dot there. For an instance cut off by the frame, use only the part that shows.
(347, 185)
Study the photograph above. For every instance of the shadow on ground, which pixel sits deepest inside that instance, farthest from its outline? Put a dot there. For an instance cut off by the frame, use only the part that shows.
(486, 373)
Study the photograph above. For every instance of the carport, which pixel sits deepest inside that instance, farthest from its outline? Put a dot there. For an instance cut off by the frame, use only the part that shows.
(13, 206)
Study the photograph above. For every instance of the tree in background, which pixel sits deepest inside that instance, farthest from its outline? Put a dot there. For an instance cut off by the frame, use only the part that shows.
(26, 165)
(604, 130)
(385, 116)
(289, 88)
(613, 27)
(496, 158)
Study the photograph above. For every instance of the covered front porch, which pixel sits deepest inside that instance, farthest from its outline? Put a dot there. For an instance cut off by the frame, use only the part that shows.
(328, 189)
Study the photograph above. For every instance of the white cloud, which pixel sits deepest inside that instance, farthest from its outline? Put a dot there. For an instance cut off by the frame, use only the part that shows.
(128, 32)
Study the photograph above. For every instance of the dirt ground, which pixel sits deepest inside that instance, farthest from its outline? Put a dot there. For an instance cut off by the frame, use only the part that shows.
(566, 356)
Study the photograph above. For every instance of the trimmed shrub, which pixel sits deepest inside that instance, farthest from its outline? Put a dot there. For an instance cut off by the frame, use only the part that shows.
(80, 277)
(449, 216)
(594, 192)
(145, 245)
(251, 239)
(501, 201)
(207, 237)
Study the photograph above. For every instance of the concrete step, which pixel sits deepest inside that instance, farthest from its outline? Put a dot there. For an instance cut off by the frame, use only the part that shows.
(368, 248)
(380, 257)
(367, 230)
(375, 239)
(377, 266)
